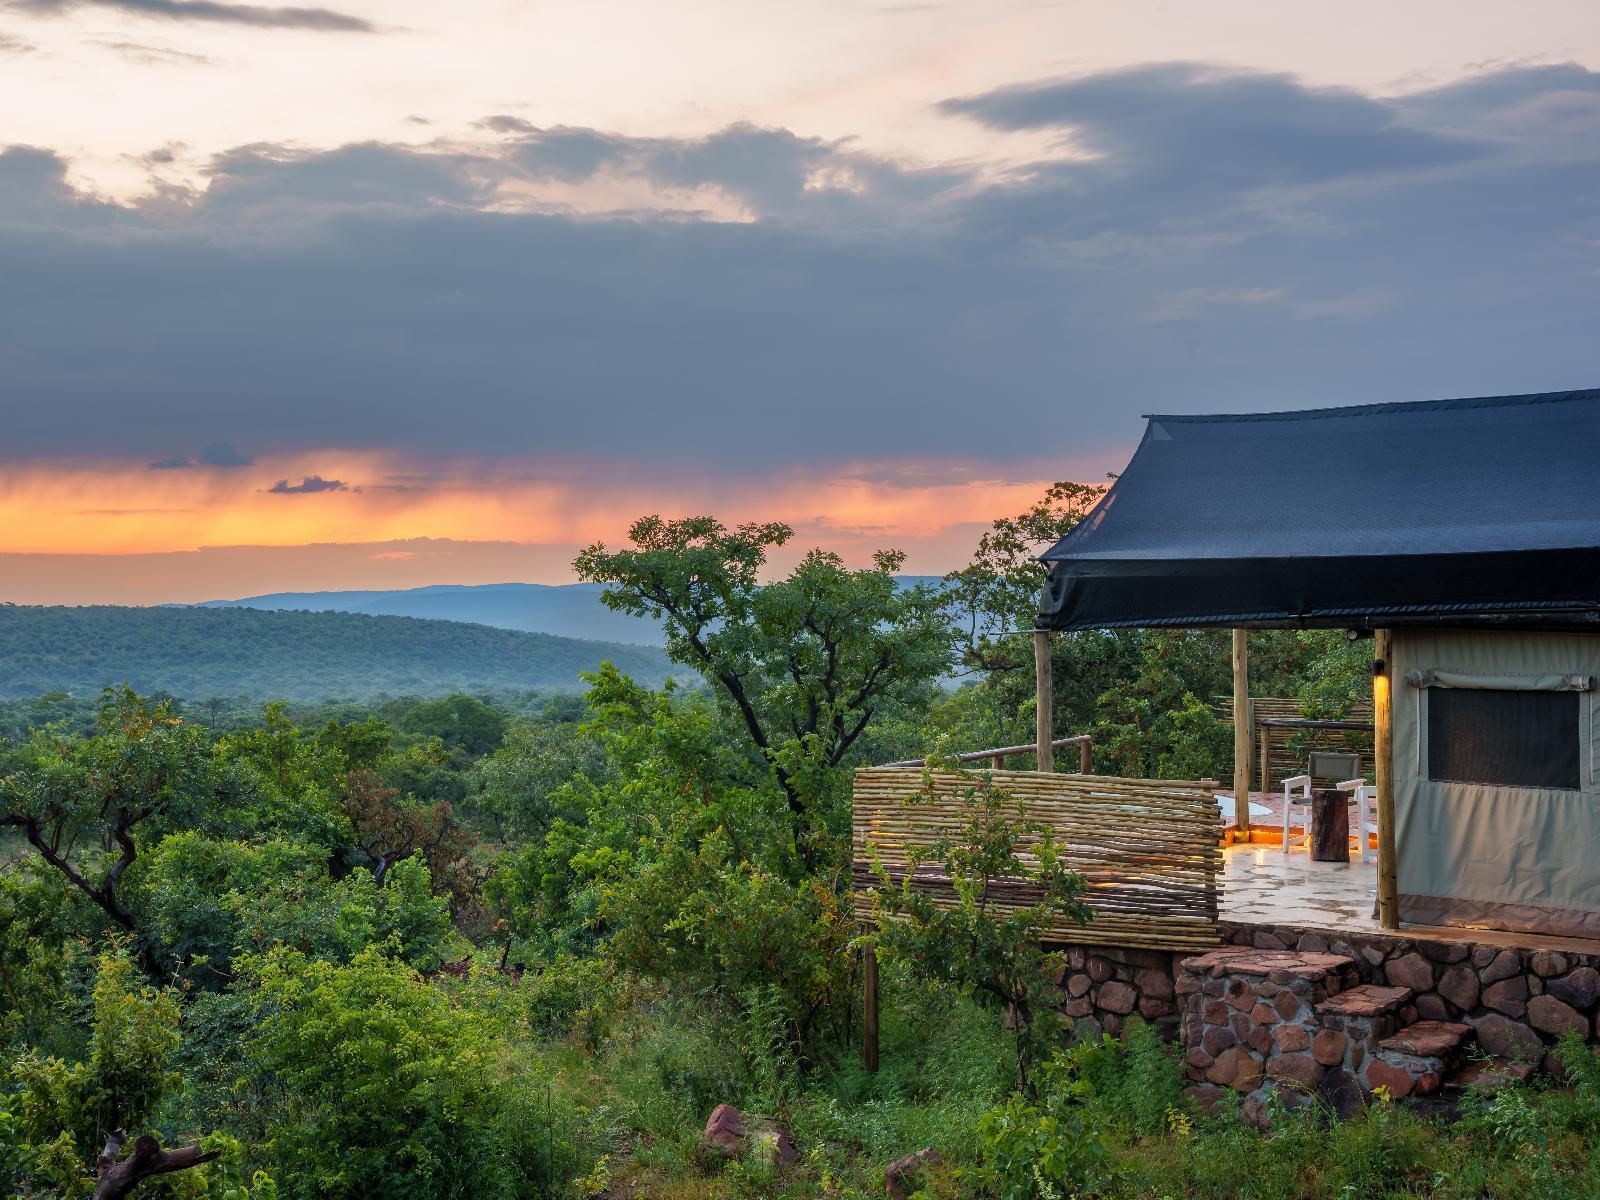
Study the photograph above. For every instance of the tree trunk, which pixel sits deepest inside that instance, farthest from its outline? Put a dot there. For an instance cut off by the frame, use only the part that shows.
(1330, 826)
(116, 1176)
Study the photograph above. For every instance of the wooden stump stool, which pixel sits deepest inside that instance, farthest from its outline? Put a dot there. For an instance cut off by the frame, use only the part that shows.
(1330, 825)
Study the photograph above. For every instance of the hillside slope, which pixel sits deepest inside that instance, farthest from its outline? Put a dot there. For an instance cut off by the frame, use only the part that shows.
(197, 652)
(566, 610)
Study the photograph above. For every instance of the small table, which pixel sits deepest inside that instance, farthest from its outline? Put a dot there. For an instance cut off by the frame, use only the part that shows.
(1330, 825)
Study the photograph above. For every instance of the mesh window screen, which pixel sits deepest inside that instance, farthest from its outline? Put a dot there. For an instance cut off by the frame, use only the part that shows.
(1514, 739)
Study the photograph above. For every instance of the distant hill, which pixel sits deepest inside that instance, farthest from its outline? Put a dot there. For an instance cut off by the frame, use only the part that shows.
(567, 610)
(200, 652)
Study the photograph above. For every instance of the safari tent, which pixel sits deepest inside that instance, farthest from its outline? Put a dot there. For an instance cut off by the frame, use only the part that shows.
(1463, 536)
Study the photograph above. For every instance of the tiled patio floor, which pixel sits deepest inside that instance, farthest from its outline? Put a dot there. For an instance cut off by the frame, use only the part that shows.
(1261, 885)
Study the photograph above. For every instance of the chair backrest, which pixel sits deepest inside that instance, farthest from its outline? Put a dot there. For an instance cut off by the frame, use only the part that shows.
(1334, 764)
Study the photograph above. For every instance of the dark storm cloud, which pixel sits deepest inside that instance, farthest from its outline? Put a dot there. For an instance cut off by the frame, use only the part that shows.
(220, 454)
(178, 462)
(308, 486)
(1214, 240)
(258, 16)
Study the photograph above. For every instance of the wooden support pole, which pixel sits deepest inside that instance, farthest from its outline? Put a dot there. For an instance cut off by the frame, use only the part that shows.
(1085, 757)
(1383, 767)
(869, 1008)
(1264, 757)
(1044, 704)
(1241, 732)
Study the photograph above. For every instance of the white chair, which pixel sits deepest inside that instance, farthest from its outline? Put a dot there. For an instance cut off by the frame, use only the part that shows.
(1366, 798)
(1296, 795)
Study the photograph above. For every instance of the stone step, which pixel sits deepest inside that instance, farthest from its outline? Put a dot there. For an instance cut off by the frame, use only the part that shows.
(1365, 1001)
(1416, 1060)
(1428, 1039)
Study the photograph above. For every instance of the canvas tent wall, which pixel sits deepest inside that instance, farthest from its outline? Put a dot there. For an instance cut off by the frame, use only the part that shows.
(1374, 516)
(1497, 796)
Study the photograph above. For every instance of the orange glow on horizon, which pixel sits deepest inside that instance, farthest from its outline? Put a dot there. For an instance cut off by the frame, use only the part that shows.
(83, 507)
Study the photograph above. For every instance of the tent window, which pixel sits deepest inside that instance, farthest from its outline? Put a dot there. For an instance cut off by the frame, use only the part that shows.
(1512, 739)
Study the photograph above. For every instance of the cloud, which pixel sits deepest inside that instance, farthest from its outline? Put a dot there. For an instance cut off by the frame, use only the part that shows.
(178, 462)
(309, 485)
(257, 16)
(15, 45)
(1200, 239)
(157, 56)
(220, 454)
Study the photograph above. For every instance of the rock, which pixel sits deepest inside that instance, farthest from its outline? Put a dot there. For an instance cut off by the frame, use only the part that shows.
(1099, 969)
(1328, 1047)
(1266, 939)
(724, 1134)
(1459, 985)
(1505, 1038)
(1155, 982)
(1396, 1080)
(1217, 1039)
(1076, 958)
(1300, 1070)
(1432, 1007)
(1341, 1091)
(1215, 1012)
(1548, 963)
(1287, 1005)
(1312, 943)
(1290, 1038)
(1482, 956)
(1506, 964)
(1199, 1057)
(1264, 1014)
(1207, 1095)
(1115, 997)
(1579, 988)
(1553, 1016)
(902, 1177)
(1081, 1007)
(1112, 1023)
(1239, 996)
(775, 1146)
(728, 1134)
(1492, 1075)
(1254, 1112)
(1368, 1000)
(1087, 1029)
(1374, 954)
(1235, 1068)
(1078, 985)
(1445, 952)
(1509, 996)
(1410, 971)
(1260, 1040)
(1152, 1008)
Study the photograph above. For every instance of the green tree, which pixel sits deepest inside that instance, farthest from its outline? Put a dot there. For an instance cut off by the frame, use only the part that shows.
(804, 663)
(79, 802)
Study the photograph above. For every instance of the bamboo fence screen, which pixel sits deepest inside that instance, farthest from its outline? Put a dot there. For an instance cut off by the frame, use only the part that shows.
(1149, 849)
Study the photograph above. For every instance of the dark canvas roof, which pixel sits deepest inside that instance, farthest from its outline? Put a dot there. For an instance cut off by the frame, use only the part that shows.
(1450, 511)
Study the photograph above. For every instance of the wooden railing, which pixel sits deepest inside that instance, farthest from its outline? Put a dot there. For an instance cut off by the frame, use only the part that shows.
(1083, 741)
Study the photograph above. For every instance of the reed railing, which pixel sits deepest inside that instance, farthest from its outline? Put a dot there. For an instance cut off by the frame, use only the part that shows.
(1148, 849)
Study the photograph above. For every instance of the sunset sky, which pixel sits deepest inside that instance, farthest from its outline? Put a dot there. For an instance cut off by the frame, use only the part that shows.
(387, 294)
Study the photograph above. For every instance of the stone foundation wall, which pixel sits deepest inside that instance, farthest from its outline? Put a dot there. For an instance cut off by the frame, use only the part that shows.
(1517, 1002)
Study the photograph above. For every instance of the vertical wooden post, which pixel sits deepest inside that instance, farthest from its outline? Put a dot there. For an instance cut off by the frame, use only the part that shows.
(1383, 767)
(1241, 733)
(1045, 701)
(1085, 758)
(1264, 754)
(869, 1008)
